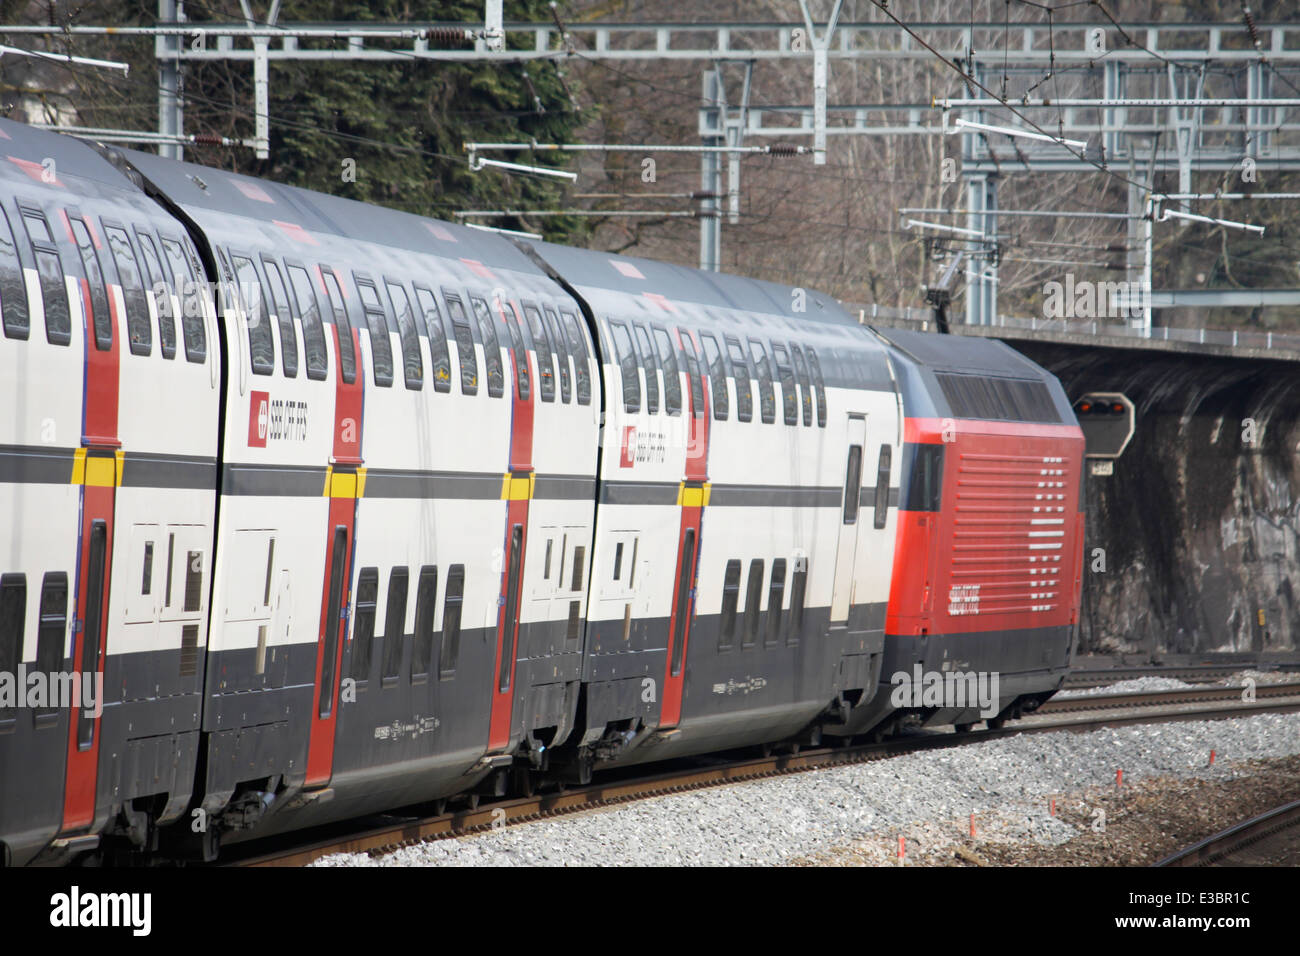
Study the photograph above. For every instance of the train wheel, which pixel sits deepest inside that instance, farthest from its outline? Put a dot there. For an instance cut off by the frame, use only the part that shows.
(963, 728)
(996, 723)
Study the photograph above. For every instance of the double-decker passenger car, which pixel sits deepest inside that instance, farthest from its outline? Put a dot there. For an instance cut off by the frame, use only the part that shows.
(353, 510)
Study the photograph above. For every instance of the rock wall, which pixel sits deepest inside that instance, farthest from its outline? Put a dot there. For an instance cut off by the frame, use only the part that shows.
(1198, 530)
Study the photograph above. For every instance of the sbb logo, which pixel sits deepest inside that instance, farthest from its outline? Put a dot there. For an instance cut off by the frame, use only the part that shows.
(628, 457)
(259, 419)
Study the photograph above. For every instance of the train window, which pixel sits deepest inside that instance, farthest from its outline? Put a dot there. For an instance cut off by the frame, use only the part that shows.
(717, 375)
(626, 359)
(270, 566)
(578, 345)
(146, 582)
(651, 368)
(52, 627)
(618, 560)
(798, 592)
(54, 289)
(92, 623)
(690, 358)
(852, 484)
(279, 301)
(193, 582)
(820, 387)
(363, 623)
(261, 344)
(579, 562)
(342, 325)
(882, 485)
(13, 614)
(512, 607)
(805, 393)
(171, 552)
(685, 574)
(775, 602)
(925, 478)
(561, 355)
(381, 343)
(102, 319)
(155, 279)
(730, 598)
(672, 379)
(740, 371)
(13, 287)
(487, 329)
(408, 333)
(313, 333)
(437, 333)
(766, 394)
(333, 608)
(451, 608)
(139, 333)
(464, 345)
(753, 600)
(544, 351)
(395, 624)
(789, 401)
(519, 353)
(193, 308)
(426, 602)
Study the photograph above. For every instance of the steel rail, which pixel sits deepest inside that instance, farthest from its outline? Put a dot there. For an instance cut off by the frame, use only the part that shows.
(484, 818)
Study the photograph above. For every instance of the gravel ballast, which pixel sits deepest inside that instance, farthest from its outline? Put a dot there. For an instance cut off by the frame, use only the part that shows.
(927, 798)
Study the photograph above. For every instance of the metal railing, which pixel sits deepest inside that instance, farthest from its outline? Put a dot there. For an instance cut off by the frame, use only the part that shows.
(923, 320)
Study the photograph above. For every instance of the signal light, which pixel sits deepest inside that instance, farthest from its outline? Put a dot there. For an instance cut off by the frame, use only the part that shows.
(1085, 407)
(1117, 408)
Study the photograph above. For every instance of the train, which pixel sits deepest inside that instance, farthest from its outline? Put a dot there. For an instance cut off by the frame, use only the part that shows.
(312, 509)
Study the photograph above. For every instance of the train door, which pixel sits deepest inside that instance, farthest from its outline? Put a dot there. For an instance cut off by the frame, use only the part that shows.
(99, 472)
(508, 631)
(679, 621)
(569, 584)
(330, 639)
(846, 549)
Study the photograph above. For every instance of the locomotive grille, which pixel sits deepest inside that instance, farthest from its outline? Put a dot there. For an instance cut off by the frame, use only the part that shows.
(1008, 535)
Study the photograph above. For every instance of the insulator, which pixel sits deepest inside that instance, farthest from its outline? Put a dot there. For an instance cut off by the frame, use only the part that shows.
(207, 139)
(1250, 25)
(783, 149)
(448, 37)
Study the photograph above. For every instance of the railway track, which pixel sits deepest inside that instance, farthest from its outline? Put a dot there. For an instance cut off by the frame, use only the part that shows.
(1083, 678)
(1160, 698)
(1270, 839)
(394, 834)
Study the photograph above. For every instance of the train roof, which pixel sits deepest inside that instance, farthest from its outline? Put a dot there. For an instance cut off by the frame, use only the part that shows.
(961, 353)
(633, 276)
(205, 192)
(958, 376)
(33, 152)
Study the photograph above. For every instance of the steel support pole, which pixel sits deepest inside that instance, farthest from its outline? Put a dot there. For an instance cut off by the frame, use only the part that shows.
(261, 100)
(712, 133)
(170, 105)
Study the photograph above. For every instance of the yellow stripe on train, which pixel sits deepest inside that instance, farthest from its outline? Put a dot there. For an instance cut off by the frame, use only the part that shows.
(693, 496)
(518, 487)
(99, 471)
(346, 484)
